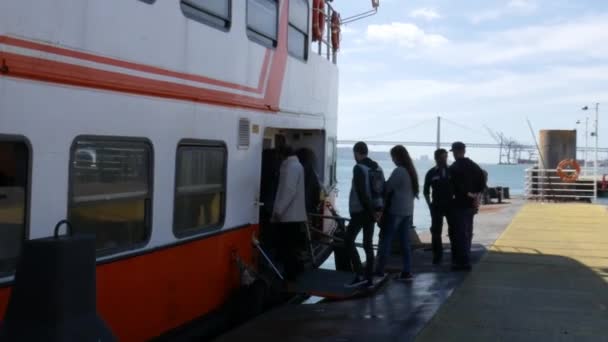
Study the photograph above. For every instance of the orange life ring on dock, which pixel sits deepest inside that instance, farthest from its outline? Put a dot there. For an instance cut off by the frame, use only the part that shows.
(318, 20)
(568, 164)
(335, 30)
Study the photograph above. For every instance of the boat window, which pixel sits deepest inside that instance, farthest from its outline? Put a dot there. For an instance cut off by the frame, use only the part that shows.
(200, 188)
(297, 40)
(111, 192)
(215, 13)
(14, 188)
(262, 21)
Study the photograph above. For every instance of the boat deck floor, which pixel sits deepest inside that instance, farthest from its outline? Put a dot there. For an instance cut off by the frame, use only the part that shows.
(396, 311)
(545, 279)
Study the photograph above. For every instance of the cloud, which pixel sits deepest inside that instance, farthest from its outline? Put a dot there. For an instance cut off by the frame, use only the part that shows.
(523, 5)
(348, 30)
(425, 13)
(513, 7)
(365, 66)
(501, 98)
(577, 40)
(488, 15)
(497, 75)
(572, 41)
(405, 34)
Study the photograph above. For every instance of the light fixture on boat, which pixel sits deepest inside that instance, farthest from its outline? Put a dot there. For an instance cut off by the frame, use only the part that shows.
(374, 10)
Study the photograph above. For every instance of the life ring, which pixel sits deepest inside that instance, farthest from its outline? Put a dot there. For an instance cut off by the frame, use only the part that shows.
(335, 31)
(318, 20)
(568, 164)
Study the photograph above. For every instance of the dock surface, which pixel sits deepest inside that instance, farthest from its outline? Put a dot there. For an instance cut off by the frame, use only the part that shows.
(396, 312)
(545, 279)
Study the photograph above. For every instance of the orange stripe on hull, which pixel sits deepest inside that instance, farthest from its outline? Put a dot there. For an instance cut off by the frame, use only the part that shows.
(45, 70)
(145, 296)
(57, 72)
(135, 66)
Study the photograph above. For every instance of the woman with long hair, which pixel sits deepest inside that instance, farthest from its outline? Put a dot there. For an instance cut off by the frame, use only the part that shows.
(311, 179)
(401, 189)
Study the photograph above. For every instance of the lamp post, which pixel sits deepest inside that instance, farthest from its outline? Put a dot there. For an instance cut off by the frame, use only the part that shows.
(578, 122)
(595, 134)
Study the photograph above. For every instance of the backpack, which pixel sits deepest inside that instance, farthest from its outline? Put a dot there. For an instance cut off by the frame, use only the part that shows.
(376, 182)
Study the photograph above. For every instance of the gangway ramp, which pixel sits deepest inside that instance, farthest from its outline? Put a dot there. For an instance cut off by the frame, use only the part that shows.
(545, 279)
(330, 284)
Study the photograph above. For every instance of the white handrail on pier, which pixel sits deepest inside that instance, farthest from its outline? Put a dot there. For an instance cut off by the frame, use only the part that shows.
(546, 185)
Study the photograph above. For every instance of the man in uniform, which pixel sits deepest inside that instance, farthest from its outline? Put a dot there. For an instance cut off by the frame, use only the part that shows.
(438, 195)
(468, 182)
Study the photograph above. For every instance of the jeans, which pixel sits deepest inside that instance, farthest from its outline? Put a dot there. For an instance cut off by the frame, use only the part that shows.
(358, 222)
(437, 215)
(399, 225)
(462, 235)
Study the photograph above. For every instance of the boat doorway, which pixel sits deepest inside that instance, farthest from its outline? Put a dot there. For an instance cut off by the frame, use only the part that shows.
(325, 229)
(309, 146)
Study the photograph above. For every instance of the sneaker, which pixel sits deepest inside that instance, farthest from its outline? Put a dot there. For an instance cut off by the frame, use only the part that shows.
(369, 284)
(405, 276)
(357, 282)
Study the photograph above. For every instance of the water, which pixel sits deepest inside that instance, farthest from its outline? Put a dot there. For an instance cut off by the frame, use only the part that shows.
(511, 176)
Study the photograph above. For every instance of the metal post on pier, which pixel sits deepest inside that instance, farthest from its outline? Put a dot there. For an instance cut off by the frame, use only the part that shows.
(595, 166)
(595, 134)
(500, 150)
(438, 132)
(586, 145)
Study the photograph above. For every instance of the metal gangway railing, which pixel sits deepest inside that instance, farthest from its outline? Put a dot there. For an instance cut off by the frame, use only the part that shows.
(547, 186)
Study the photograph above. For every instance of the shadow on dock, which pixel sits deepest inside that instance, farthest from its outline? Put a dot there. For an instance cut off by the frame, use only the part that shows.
(397, 310)
(545, 278)
(525, 296)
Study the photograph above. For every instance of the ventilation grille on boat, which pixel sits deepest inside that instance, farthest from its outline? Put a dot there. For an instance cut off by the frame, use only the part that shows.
(244, 135)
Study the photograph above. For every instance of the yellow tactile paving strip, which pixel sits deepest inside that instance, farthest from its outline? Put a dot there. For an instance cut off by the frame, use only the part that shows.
(545, 279)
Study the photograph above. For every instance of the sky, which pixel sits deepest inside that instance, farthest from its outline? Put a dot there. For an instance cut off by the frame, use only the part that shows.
(476, 63)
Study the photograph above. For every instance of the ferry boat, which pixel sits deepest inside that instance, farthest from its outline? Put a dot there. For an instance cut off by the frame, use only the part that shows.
(144, 122)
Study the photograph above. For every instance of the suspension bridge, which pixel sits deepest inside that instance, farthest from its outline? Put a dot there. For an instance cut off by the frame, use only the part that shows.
(510, 150)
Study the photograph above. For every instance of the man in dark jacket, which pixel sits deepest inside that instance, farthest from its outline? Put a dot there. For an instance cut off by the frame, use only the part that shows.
(438, 180)
(364, 214)
(468, 182)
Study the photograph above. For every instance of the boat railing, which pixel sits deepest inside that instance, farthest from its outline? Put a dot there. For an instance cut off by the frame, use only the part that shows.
(546, 185)
(324, 45)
